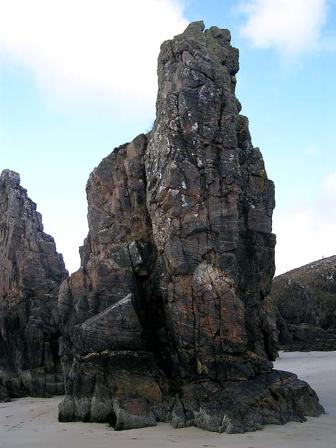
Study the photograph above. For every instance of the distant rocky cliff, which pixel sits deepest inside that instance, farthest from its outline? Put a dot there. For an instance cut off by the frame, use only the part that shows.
(306, 302)
(164, 321)
(31, 272)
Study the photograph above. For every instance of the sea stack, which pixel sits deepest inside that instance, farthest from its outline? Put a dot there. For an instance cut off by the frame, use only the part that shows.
(305, 301)
(165, 321)
(31, 272)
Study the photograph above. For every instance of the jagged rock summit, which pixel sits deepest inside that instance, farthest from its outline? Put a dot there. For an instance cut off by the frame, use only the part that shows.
(306, 302)
(164, 321)
(31, 272)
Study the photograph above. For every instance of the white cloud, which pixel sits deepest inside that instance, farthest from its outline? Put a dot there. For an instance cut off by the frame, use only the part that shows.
(306, 231)
(103, 48)
(290, 26)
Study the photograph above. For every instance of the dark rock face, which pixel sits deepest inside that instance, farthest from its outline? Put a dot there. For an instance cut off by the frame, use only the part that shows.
(165, 320)
(306, 302)
(30, 275)
(110, 370)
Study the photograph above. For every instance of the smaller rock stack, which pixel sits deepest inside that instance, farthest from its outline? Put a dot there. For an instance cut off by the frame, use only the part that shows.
(30, 275)
(306, 302)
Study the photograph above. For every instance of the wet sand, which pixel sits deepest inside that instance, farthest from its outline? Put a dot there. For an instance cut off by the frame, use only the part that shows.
(32, 422)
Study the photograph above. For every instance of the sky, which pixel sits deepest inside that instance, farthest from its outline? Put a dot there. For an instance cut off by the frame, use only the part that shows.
(78, 78)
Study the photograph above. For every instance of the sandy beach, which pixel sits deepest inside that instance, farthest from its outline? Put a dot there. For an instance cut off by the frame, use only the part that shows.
(32, 422)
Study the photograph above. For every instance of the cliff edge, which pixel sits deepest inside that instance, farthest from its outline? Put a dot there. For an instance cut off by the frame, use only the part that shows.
(30, 275)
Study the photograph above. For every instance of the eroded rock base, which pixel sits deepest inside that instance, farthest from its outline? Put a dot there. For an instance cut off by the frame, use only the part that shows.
(125, 390)
(34, 383)
(273, 398)
(121, 388)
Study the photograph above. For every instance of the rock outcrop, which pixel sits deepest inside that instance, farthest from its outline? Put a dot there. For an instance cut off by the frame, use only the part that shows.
(306, 301)
(164, 320)
(31, 272)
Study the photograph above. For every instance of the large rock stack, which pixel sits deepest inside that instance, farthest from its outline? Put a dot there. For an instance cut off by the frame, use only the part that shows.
(305, 299)
(165, 321)
(31, 272)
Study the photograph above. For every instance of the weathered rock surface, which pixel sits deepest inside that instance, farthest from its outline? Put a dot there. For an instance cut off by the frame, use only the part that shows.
(306, 301)
(31, 272)
(165, 321)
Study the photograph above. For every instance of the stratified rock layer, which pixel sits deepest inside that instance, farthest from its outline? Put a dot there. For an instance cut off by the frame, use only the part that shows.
(30, 275)
(164, 320)
(306, 301)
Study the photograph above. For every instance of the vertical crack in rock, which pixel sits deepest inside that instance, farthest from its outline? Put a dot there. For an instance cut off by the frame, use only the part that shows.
(31, 272)
(165, 320)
